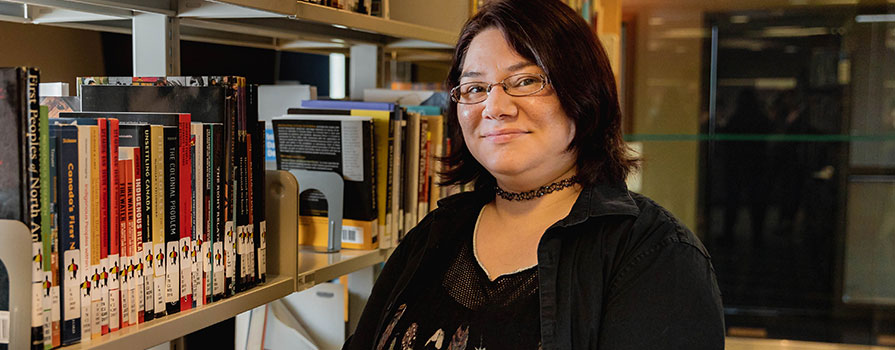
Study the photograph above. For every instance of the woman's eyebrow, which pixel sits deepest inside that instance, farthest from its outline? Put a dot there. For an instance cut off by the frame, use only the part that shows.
(513, 68)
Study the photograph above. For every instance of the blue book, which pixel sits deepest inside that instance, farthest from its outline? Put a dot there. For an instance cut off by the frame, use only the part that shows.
(424, 110)
(69, 239)
(336, 104)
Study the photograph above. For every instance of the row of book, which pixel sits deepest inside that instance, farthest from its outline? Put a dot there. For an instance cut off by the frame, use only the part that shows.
(387, 155)
(368, 7)
(147, 202)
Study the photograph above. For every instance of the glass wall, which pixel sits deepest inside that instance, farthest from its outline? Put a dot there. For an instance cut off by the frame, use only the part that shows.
(769, 129)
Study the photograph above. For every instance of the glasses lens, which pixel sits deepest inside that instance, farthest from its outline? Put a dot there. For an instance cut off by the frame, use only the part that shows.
(472, 92)
(524, 84)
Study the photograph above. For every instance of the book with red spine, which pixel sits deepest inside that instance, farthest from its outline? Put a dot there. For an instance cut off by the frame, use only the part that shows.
(112, 265)
(185, 209)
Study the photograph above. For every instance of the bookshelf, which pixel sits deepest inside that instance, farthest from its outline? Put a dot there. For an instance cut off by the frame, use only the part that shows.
(292, 269)
(272, 24)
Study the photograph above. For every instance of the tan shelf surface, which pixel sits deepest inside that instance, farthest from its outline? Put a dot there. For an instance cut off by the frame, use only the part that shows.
(736, 343)
(315, 267)
(170, 327)
(356, 21)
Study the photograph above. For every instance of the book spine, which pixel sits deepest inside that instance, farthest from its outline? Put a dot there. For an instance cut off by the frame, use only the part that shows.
(69, 241)
(136, 246)
(96, 300)
(219, 217)
(158, 218)
(251, 268)
(55, 339)
(228, 191)
(208, 214)
(46, 229)
(144, 265)
(84, 165)
(33, 210)
(196, 219)
(113, 263)
(102, 279)
(185, 209)
(172, 234)
(258, 215)
(126, 221)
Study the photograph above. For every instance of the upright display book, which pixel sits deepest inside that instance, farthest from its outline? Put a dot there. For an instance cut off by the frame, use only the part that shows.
(339, 144)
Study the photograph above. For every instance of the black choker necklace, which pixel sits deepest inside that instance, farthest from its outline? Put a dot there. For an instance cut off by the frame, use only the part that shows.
(536, 193)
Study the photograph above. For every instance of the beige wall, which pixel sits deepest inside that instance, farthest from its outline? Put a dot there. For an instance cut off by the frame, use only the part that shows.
(666, 100)
(61, 53)
(448, 15)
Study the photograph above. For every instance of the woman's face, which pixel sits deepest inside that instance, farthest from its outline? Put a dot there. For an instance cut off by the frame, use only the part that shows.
(522, 141)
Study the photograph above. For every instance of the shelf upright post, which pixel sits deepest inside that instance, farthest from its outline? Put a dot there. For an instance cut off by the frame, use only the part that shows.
(156, 45)
(364, 72)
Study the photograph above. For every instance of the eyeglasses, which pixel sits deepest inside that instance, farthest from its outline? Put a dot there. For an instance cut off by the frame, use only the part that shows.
(518, 85)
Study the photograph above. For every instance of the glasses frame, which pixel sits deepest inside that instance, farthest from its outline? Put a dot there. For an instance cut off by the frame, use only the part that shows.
(455, 92)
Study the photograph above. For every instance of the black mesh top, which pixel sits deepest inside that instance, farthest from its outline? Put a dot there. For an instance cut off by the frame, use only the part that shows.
(451, 304)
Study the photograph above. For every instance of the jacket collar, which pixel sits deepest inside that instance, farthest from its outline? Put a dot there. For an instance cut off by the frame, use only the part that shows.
(603, 199)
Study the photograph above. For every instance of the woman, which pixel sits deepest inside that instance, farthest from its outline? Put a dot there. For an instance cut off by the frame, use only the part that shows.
(550, 251)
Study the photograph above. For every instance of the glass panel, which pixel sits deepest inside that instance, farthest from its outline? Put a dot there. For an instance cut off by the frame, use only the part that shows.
(771, 134)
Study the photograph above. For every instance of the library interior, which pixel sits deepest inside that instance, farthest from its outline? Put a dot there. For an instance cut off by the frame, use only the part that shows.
(235, 174)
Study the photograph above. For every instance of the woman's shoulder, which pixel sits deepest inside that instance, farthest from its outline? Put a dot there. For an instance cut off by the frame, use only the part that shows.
(655, 226)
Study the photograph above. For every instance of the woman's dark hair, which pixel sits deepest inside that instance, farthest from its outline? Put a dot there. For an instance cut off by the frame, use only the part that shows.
(559, 41)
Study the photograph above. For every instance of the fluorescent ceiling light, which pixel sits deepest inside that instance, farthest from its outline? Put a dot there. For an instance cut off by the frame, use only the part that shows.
(875, 18)
(340, 26)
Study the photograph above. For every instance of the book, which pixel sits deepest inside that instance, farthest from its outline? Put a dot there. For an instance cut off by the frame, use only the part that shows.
(340, 144)
(52, 294)
(85, 215)
(410, 184)
(382, 115)
(20, 192)
(46, 228)
(259, 220)
(198, 209)
(69, 236)
(177, 126)
(274, 101)
(59, 104)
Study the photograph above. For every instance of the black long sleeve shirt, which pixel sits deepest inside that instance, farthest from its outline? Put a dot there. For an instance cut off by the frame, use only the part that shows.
(619, 272)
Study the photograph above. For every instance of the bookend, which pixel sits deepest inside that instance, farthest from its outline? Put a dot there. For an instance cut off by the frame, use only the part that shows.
(15, 253)
(333, 188)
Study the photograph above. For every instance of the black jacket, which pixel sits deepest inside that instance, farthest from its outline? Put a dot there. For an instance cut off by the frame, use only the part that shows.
(619, 272)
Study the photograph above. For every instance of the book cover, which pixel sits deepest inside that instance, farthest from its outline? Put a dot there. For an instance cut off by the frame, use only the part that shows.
(198, 226)
(340, 144)
(59, 104)
(382, 118)
(130, 140)
(125, 187)
(69, 237)
(411, 170)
